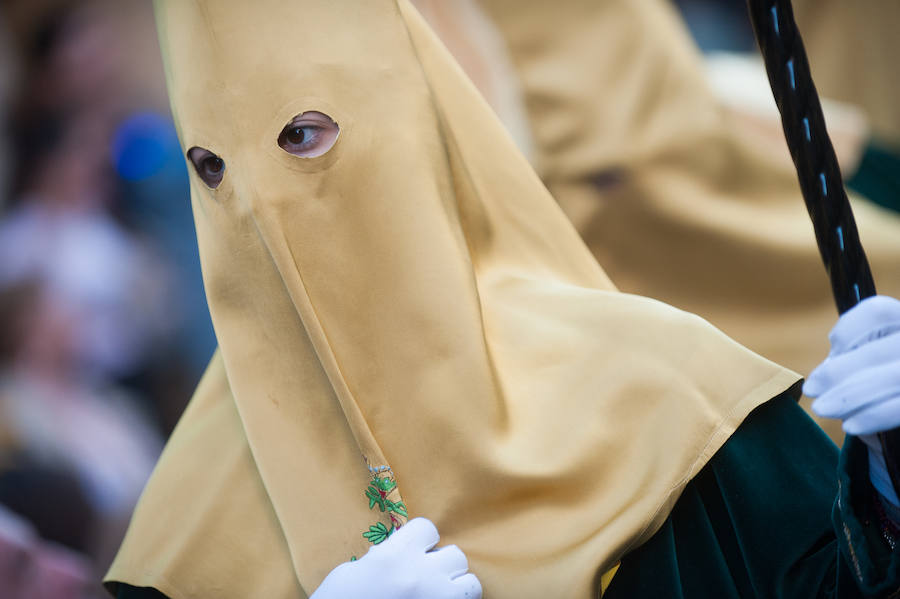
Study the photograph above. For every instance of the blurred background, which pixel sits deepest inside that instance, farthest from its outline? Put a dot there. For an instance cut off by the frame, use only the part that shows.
(104, 330)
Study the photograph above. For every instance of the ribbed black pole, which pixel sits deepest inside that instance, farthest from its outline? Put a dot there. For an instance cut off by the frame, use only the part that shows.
(817, 169)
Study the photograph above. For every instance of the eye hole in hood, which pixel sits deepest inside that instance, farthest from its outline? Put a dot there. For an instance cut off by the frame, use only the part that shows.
(210, 167)
(309, 134)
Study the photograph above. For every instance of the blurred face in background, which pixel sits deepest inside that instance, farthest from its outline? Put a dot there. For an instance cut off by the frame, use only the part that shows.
(75, 175)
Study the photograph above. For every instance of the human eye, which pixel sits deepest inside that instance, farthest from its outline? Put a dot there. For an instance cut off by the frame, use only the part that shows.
(210, 167)
(309, 135)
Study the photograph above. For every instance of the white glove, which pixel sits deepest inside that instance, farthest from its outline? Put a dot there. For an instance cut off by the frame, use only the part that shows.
(404, 567)
(859, 381)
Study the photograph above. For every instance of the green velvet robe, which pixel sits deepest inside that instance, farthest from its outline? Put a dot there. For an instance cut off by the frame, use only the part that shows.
(776, 513)
(878, 176)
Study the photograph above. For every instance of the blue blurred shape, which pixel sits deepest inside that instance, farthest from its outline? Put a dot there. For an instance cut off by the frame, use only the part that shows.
(142, 145)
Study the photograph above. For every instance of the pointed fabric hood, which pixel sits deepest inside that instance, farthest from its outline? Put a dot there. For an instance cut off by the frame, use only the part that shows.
(410, 308)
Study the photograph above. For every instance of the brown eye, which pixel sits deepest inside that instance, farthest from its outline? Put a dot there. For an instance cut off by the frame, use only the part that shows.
(309, 135)
(210, 168)
(296, 136)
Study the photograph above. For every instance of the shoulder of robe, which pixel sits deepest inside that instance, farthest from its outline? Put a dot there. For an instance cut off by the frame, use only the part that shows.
(204, 525)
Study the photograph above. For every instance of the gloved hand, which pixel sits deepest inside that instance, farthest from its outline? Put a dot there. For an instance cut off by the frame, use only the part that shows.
(403, 566)
(859, 381)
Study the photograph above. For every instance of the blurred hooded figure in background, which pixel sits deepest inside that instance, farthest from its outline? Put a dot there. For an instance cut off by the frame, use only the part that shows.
(663, 183)
(862, 71)
(410, 327)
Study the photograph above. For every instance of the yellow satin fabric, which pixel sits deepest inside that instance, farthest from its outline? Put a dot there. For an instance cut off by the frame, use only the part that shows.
(414, 298)
(607, 578)
(657, 178)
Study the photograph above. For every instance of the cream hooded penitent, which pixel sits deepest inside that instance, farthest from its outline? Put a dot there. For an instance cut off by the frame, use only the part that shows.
(662, 182)
(853, 49)
(411, 307)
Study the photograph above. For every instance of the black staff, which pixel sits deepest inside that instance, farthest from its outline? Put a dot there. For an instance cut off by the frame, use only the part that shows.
(817, 169)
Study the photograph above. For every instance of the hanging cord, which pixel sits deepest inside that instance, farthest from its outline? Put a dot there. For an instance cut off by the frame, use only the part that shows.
(817, 169)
